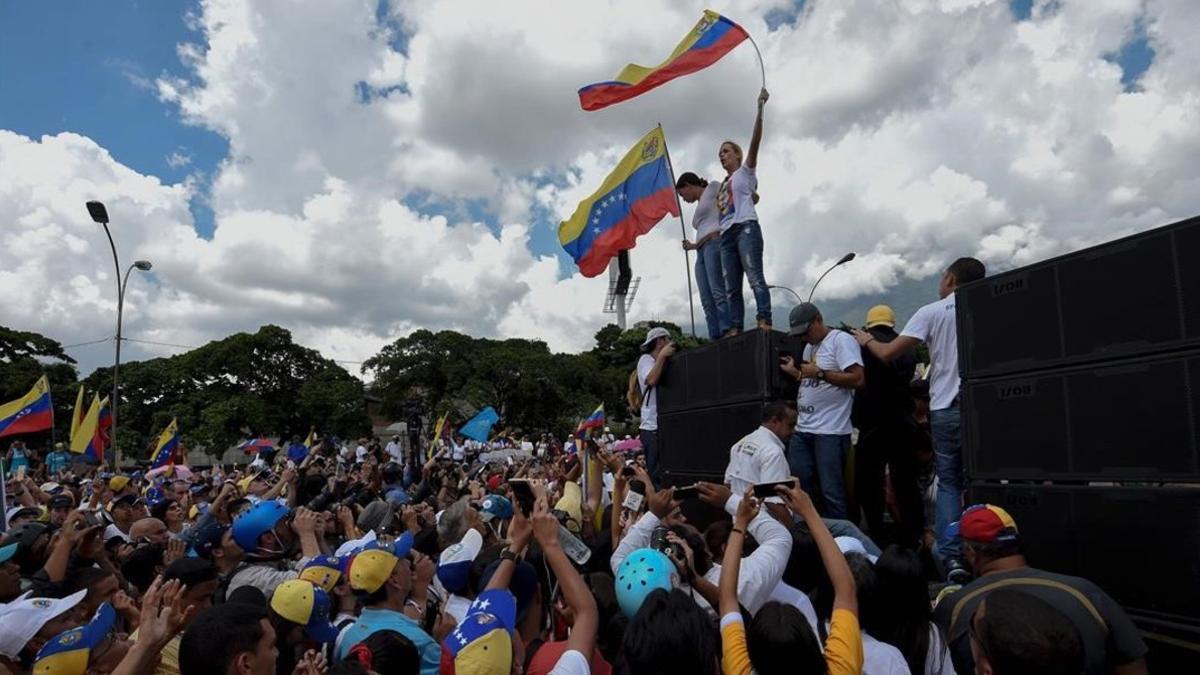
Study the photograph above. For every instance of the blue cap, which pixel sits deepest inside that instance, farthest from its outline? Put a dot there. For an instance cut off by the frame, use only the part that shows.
(323, 570)
(645, 570)
(495, 506)
(207, 538)
(154, 496)
(7, 552)
(493, 610)
(303, 603)
(257, 520)
(68, 652)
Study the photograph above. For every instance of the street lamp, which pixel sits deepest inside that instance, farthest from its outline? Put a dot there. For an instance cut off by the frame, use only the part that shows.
(100, 215)
(789, 290)
(844, 259)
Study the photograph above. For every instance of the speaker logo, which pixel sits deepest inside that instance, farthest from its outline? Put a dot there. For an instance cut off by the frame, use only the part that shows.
(1005, 392)
(1009, 285)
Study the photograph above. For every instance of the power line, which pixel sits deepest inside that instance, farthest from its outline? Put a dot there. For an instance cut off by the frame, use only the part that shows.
(84, 344)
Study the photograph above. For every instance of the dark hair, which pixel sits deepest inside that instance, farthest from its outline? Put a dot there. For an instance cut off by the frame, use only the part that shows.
(777, 410)
(671, 634)
(804, 568)
(715, 537)
(780, 640)
(159, 510)
(695, 541)
(191, 571)
(217, 635)
(903, 595)
(688, 178)
(1021, 633)
(142, 566)
(386, 651)
(995, 550)
(966, 270)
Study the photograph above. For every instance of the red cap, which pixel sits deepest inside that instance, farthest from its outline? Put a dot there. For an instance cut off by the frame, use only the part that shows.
(986, 524)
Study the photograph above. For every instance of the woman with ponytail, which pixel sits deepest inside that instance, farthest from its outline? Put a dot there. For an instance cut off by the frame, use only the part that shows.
(710, 280)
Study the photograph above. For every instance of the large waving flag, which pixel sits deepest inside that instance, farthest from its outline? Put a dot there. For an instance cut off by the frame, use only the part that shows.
(32, 412)
(480, 425)
(634, 197)
(90, 438)
(713, 37)
(168, 443)
(593, 421)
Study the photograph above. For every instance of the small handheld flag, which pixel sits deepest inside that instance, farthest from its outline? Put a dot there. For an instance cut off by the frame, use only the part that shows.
(711, 38)
(168, 442)
(631, 201)
(32, 412)
(593, 421)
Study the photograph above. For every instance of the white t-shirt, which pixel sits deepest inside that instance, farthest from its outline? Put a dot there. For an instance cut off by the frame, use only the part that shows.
(393, 451)
(825, 408)
(759, 457)
(790, 595)
(707, 219)
(735, 201)
(880, 658)
(360, 454)
(935, 325)
(649, 399)
(571, 663)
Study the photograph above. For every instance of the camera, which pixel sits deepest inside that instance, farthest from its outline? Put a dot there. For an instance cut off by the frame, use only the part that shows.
(659, 542)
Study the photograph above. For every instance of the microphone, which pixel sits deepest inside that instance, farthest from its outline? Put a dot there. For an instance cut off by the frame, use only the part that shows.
(844, 259)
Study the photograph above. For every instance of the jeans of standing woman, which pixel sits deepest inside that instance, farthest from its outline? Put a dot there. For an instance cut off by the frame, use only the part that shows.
(742, 253)
(650, 447)
(947, 457)
(710, 282)
(819, 460)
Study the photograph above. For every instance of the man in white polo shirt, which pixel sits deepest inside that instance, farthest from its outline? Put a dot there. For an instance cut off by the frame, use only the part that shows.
(936, 325)
(830, 372)
(656, 349)
(759, 457)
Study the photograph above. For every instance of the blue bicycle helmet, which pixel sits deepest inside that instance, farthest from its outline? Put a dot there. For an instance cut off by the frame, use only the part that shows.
(257, 520)
(642, 572)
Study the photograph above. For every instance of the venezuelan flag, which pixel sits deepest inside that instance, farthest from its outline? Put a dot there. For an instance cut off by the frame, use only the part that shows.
(593, 421)
(91, 438)
(168, 442)
(32, 412)
(634, 197)
(713, 37)
(77, 413)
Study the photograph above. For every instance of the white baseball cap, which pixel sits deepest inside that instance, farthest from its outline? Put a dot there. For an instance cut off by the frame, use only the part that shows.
(653, 334)
(852, 545)
(22, 618)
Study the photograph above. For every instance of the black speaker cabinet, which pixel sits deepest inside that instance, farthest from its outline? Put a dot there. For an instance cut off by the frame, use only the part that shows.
(1133, 419)
(739, 368)
(1140, 544)
(696, 443)
(1134, 296)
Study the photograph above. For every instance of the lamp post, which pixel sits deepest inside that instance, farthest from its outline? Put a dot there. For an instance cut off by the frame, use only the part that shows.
(100, 215)
(844, 259)
(789, 290)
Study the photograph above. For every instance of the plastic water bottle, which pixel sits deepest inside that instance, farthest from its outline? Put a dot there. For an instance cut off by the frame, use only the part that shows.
(575, 549)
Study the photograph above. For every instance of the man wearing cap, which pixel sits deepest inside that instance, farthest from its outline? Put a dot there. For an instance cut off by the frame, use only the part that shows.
(830, 370)
(656, 349)
(60, 506)
(936, 325)
(992, 546)
(125, 511)
(385, 580)
(10, 572)
(28, 623)
(57, 461)
(883, 414)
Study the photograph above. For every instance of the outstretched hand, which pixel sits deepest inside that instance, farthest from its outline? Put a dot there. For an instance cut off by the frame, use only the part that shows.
(163, 613)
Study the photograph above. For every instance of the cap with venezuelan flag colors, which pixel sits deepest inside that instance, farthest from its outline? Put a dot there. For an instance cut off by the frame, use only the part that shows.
(303, 603)
(482, 643)
(986, 524)
(70, 652)
(324, 571)
(373, 565)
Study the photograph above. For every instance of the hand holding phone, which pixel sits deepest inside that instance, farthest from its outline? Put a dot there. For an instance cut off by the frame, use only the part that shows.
(687, 492)
(764, 490)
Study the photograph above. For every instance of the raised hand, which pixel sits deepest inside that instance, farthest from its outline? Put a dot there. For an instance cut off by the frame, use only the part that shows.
(747, 509)
(797, 499)
(545, 525)
(714, 494)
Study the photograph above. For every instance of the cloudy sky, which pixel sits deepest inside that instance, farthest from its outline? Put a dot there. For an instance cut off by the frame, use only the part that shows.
(356, 169)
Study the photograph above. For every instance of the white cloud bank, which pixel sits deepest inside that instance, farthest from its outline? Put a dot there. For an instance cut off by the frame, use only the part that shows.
(910, 132)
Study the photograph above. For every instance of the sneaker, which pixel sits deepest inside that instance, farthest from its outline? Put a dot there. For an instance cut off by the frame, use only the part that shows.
(957, 572)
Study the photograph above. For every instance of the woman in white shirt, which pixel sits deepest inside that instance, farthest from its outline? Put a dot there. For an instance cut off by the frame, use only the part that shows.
(741, 236)
(710, 280)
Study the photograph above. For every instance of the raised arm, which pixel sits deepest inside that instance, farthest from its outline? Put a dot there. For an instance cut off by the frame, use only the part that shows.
(756, 136)
(575, 591)
(844, 594)
(885, 351)
(732, 562)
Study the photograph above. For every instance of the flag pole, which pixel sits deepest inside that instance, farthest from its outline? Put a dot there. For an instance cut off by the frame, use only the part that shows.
(762, 68)
(687, 262)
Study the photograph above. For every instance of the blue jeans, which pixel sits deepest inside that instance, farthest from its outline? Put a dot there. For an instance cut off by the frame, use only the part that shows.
(650, 447)
(710, 281)
(947, 456)
(742, 253)
(820, 460)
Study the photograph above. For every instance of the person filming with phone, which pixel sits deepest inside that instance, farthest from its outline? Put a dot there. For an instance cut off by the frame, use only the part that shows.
(832, 368)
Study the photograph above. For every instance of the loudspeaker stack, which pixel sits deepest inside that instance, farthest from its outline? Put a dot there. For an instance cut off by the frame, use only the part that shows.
(1080, 402)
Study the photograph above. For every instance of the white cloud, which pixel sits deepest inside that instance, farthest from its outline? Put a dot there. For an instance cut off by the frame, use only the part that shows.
(909, 132)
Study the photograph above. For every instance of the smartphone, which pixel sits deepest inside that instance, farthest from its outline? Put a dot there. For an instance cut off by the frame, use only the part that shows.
(628, 472)
(523, 494)
(764, 490)
(687, 492)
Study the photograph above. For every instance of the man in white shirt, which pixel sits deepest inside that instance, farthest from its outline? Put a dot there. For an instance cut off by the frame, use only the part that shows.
(394, 450)
(830, 372)
(360, 453)
(760, 457)
(656, 349)
(936, 325)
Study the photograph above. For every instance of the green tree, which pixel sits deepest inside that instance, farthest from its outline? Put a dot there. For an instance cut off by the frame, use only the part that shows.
(24, 357)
